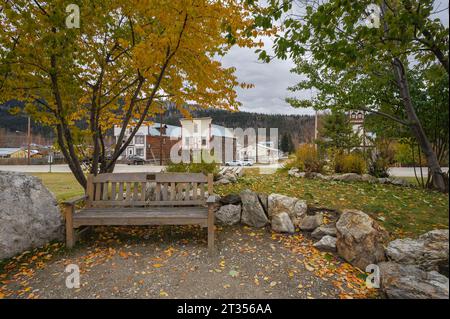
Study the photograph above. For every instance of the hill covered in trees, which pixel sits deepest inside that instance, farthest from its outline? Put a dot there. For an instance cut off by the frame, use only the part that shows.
(300, 128)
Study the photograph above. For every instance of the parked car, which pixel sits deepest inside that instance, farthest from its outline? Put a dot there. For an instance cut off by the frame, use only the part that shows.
(135, 160)
(248, 162)
(234, 163)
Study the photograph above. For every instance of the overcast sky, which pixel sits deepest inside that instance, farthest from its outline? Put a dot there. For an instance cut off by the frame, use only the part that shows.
(272, 80)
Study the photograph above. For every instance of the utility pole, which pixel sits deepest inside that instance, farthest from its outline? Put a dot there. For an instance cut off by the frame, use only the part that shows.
(160, 138)
(316, 119)
(29, 141)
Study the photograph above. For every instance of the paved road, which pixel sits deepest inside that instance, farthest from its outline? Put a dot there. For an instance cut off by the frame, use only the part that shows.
(409, 171)
(264, 169)
(62, 168)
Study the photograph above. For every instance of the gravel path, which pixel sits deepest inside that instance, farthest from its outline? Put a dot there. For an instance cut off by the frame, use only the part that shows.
(172, 262)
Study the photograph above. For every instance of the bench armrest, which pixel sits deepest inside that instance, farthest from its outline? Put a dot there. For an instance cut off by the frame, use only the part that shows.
(212, 199)
(73, 201)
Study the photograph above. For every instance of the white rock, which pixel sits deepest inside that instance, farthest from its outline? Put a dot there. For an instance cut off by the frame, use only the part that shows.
(252, 211)
(311, 222)
(410, 282)
(322, 231)
(282, 223)
(360, 239)
(294, 207)
(327, 243)
(229, 214)
(429, 251)
(29, 214)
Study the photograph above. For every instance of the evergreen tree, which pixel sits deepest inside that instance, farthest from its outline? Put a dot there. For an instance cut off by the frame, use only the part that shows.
(337, 132)
(285, 147)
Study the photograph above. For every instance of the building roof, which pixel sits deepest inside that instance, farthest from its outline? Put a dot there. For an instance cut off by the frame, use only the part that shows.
(219, 130)
(259, 146)
(8, 151)
(171, 130)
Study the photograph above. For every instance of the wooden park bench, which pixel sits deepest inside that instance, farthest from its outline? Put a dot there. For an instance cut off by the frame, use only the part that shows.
(144, 199)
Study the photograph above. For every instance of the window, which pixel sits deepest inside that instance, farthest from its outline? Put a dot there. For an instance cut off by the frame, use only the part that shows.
(204, 141)
(186, 140)
(195, 128)
(140, 151)
(139, 139)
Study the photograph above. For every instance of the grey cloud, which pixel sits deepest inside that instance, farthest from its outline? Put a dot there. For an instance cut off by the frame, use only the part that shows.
(271, 81)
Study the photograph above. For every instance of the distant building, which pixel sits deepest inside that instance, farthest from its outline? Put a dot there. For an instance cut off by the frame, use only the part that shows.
(11, 152)
(260, 152)
(151, 142)
(357, 119)
(201, 134)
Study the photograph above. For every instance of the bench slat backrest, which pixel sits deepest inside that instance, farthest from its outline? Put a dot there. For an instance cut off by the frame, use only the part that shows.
(148, 189)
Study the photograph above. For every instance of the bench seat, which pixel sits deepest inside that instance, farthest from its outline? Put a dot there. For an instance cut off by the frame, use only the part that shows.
(141, 216)
(143, 199)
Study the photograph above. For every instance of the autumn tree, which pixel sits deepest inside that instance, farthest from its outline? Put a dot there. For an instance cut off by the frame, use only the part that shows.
(357, 55)
(125, 62)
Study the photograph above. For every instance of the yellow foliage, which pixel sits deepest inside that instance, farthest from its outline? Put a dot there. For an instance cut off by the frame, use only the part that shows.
(126, 56)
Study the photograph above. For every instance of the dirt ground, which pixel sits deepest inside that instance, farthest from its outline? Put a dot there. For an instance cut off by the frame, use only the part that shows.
(172, 262)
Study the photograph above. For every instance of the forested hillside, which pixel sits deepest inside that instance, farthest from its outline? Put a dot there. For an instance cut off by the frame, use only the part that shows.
(299, 127)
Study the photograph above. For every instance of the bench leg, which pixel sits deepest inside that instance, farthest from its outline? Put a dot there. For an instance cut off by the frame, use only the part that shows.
(70, 232)
(211, 231)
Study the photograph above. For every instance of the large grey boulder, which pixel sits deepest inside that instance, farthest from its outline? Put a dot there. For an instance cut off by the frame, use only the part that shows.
(230, 176)
(222, 181)
(294, 207)
(282, 223)
(234, 199)
(327, 243)
(410, 282)
(293, 171)
(264, 200)
(29, 215)
(383, 180)
(311, 222)
(399, 182)
(252, 211)
(229, 214)
(360, 240)
(348, 177)
(368, 178)
(323, 177)
(326, 230)
(429, 252)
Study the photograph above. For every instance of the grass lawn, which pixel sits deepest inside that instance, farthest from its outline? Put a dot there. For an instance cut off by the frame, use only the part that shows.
(63, 185)
(405, 211)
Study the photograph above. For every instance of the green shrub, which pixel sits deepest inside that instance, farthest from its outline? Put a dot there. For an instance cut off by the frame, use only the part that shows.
(379, 166)
(203, 167)
(338, 163)
(405, 157)
(177, 167)
(351, 163)
(307, 159)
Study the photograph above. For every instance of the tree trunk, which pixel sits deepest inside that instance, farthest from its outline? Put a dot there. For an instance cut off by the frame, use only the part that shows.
(438, 178)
